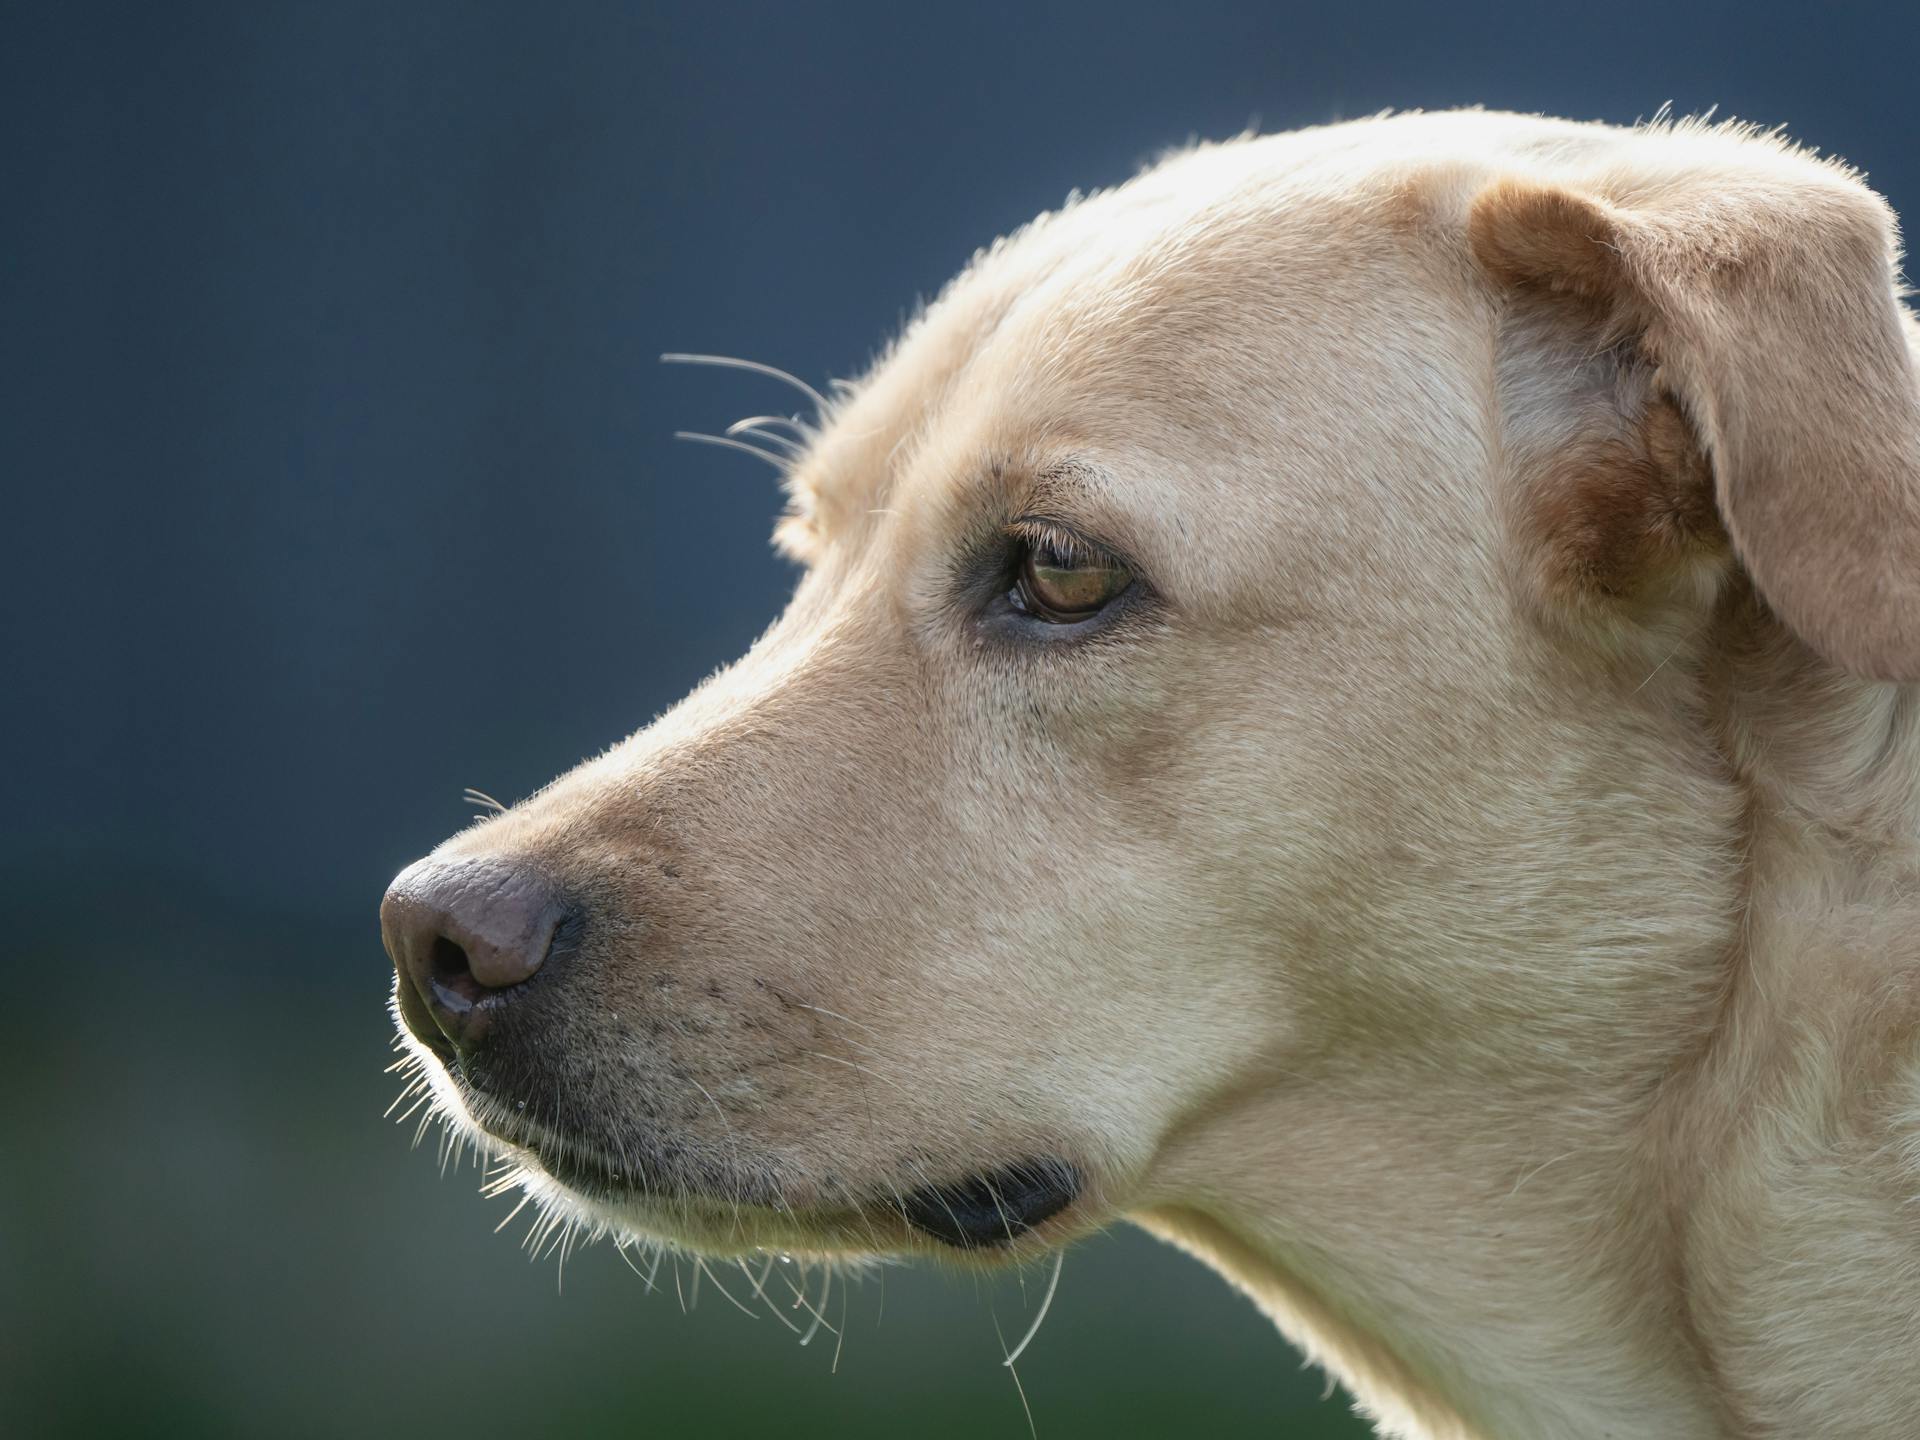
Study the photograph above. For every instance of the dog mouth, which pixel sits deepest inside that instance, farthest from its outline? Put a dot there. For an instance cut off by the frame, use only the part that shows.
(982, 1212)
(990, 1210)
(985, 1211)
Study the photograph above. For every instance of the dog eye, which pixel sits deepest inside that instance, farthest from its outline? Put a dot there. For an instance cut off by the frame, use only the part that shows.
(1062, 581)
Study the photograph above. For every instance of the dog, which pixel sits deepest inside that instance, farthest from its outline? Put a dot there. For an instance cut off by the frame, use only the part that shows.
(1350, 703)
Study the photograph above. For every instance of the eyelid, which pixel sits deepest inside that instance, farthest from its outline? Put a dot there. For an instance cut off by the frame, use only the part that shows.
(1041, 530)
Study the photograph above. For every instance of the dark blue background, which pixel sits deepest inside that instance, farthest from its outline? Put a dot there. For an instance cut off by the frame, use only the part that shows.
(337, 476)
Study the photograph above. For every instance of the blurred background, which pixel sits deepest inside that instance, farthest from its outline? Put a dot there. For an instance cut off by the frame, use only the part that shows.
(338, 476)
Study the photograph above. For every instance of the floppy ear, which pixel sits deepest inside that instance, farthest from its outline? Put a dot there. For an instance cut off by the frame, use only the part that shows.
(1766, 297)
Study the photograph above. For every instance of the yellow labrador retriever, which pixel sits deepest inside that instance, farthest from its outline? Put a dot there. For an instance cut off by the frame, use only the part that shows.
(1348, 704)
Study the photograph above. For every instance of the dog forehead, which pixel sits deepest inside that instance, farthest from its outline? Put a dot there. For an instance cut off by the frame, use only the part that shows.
(1259, 294)
(1113, 300)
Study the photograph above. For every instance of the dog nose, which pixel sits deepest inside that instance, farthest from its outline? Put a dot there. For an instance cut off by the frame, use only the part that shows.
(465, 937)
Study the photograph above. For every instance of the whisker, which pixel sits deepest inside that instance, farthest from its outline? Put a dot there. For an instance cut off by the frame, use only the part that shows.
(1019, 1389)
(760, 1289)
(840, 1339)
(801, 432)
(751, 1315)
(756, 428)
(730, 362)
(745, 449)
(800, 1302)
(480, 799)
(510, 1175)
(791, 448)
(425, 1096)
(414, 1087)
(820, 1315)
(1046, 1303)
(620, 1249)
(537, 1233)
(566, 1249)
(528, 1195)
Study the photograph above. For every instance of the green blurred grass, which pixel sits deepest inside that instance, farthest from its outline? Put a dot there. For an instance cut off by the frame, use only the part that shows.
(210, 1232)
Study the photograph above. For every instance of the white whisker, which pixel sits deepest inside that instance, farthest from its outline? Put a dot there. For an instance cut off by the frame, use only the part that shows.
(751, 1315)
(820, 1314)
(513, 1212)
(414, 1088)
(423, 1098)
(1019, 1389)
(840, 1339)
(729, 362)
(756, 426)
(777, 462)
(1046, 1303)
(800, 1302)
(801, 431)
(760, 1289)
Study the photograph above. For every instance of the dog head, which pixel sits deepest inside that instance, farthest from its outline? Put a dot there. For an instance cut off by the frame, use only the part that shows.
(1236, 741)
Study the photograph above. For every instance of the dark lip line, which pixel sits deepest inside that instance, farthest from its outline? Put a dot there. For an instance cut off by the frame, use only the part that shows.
(589, 1172)
(521, 1132)
(933, 1200)
(975, 1213)
(584, 1169)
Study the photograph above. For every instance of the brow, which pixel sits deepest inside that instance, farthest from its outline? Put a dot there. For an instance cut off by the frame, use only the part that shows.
(1073, 493)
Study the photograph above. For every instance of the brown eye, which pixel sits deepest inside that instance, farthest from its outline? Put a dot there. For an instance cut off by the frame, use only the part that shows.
(1063, 583)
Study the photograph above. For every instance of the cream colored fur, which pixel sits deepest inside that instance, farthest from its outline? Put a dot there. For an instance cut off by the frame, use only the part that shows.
(1455, 907)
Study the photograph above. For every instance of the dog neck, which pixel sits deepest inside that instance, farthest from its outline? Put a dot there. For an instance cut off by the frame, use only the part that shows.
(1790, 1145)
(1640, 1287)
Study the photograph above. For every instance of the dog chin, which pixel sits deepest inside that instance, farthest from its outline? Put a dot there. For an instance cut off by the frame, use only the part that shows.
(999, 1210)
(992, 1214)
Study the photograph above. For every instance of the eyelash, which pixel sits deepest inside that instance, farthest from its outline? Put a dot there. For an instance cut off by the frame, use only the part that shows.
(1021, 603)
(1035, 533)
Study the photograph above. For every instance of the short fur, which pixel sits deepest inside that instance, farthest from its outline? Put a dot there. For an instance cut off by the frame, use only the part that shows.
(1469, 898)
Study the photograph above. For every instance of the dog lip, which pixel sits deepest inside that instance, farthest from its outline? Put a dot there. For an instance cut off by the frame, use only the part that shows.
(579, 1167)
(586, 1175)
(995, 1207)
(413, 1014)
(588, 1171)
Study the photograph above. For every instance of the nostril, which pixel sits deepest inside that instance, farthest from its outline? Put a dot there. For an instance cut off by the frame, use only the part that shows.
(447, 959)
(467, 936)
(451, 977)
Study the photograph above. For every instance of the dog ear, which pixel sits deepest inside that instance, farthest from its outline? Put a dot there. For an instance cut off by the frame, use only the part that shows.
(1766, 299)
